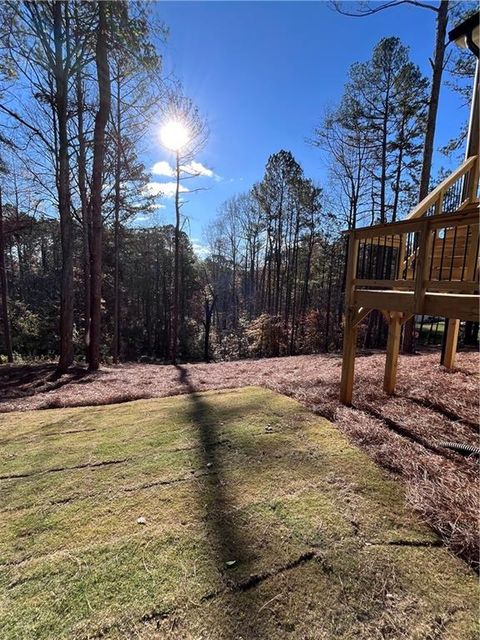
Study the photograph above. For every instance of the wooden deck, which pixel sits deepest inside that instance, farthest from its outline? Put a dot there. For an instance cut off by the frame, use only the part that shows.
(427, 264)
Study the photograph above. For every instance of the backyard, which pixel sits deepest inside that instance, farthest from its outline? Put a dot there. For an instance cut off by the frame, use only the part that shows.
(239, 320)
(247, 496)
(232, 514)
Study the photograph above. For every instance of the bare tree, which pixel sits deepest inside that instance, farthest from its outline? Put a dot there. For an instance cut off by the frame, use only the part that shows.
(45, 55)
(186, 134)
(4, 288)
(349, 165)
(101, 119)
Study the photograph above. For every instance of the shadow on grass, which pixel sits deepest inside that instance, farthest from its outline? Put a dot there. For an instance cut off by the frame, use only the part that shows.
(230, 548)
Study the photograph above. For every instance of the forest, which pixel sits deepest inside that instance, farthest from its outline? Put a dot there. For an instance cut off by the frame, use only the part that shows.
(82, 280)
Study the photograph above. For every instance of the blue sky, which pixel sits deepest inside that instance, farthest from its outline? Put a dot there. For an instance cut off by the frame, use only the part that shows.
(263, 72)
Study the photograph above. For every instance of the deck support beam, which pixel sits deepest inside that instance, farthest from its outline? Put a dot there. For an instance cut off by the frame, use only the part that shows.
(451, 342)
(393, 349)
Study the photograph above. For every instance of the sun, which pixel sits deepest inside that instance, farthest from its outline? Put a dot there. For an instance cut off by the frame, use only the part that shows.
(174, 135)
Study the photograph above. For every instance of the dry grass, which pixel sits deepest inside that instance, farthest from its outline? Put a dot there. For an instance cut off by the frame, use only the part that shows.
(399, 433)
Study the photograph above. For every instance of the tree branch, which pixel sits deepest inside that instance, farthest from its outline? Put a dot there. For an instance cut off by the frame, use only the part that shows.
(370, 11)
(19, 119)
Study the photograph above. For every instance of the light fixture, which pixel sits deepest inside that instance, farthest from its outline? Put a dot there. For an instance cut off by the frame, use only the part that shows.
(466, 35)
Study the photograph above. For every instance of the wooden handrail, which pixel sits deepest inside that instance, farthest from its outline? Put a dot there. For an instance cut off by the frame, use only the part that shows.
(437, 194)
(416, 224)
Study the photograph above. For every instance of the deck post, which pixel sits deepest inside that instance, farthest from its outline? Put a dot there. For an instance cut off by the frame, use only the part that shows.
(393, 348)
(451, 343)
(350, 330)
(348, 362)
(423, 267)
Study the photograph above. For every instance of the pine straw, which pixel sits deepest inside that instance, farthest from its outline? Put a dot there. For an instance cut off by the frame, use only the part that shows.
(399, 433)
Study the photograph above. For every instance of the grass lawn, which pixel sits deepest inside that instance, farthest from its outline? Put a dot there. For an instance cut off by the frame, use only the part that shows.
(261, 522)
(429, 334)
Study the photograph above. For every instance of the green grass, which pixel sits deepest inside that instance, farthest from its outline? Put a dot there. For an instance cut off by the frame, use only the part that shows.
(431, 335)
(262, 521)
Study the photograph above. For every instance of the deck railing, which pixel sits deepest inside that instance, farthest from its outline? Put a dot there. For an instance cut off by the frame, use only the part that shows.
(430, 254)
(455, 192)
(436, 249)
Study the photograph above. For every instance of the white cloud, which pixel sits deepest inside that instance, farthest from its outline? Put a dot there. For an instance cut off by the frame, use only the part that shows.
(141, 218)
(199, 249)
(197, 168)
(157, 206)
(163, 189)
(162, 168)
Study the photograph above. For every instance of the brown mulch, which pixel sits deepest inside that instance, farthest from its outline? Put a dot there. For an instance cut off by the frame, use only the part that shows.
(401, 433)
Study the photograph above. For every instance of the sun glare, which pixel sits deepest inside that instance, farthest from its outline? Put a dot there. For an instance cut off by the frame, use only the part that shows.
(174, 135)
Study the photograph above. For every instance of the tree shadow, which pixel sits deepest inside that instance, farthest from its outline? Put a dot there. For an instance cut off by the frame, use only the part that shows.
(23, 381)
(443, 411)
(231, 550)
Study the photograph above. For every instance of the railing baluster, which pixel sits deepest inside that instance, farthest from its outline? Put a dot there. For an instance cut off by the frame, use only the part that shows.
(452, 259)
(383, 256)
(472, 254)
(401, 256)
(465, 253)
(440, 268)
(370, 258)
(433, 253)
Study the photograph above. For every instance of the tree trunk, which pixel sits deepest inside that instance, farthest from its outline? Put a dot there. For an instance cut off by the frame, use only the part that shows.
(438, 62)
(4, 287)
(176, 268)
(22, 291)
(208, 324)
(101, 118)
(383, 178)
(82, 188)
(116, 238)
(471, 333)
(437, 65)
(63, 188)
(329, 299)
(398, 172)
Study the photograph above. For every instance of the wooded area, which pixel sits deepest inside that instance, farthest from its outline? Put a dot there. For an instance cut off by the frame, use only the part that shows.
(82, 87)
